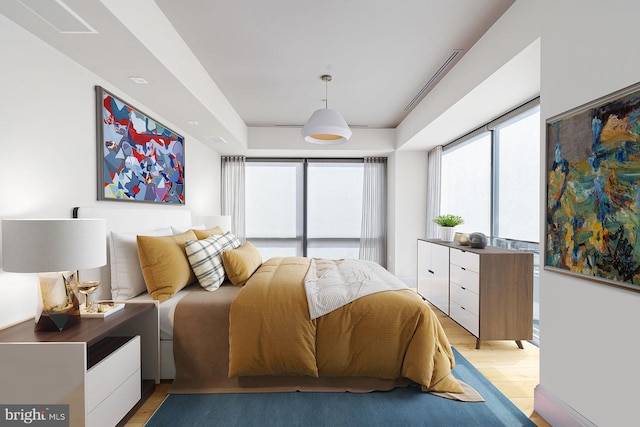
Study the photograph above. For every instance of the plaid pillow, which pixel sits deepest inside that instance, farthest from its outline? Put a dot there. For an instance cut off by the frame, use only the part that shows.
(205, 258)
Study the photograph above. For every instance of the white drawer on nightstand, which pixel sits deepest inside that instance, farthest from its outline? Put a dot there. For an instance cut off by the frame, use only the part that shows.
(111, 410)
(465, 298)
(106, 378)
(464, 259)
(465, 318)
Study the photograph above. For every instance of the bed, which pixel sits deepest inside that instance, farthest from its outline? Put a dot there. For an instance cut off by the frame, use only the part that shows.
(254, 332)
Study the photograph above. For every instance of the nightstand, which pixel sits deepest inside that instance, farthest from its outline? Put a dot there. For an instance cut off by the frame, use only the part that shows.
(102, 368)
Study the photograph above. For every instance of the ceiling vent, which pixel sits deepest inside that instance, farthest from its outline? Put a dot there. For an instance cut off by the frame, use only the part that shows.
(59, 16)
(446, 66)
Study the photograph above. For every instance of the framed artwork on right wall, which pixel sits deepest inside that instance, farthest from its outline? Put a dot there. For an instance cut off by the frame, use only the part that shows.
(593, 190)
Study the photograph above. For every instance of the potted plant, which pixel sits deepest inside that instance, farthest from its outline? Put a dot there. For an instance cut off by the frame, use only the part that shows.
(447, 223)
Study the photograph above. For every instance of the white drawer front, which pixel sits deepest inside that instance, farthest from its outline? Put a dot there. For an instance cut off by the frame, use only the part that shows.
(465, 318)
(465, 259)
(466, 278)
(111, 410)
(465, 298)
(110, 373)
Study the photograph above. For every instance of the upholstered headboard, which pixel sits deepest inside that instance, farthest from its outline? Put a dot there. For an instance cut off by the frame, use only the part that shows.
(133, 221)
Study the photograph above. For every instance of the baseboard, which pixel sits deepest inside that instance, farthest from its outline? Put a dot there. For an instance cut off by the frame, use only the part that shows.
(555, 411)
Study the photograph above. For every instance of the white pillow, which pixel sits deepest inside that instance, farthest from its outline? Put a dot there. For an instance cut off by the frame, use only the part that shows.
(126, 275)
(180, 230)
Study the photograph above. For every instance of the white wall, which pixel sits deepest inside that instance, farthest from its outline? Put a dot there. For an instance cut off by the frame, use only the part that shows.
(48, 148)
(589, 351)
(407, 212)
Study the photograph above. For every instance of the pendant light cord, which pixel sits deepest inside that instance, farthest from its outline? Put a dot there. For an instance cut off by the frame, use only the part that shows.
(326, 94)
(327, 79)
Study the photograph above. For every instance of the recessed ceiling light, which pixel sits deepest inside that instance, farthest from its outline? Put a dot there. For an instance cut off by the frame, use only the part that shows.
(193, 122)
(139, 80)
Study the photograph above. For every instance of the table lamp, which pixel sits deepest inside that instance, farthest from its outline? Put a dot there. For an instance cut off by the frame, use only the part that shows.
(51, 247)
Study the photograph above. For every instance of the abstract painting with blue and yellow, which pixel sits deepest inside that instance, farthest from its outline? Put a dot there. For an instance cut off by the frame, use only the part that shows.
(593, 185)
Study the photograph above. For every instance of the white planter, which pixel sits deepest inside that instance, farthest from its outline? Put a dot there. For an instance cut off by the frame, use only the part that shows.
(447, 233)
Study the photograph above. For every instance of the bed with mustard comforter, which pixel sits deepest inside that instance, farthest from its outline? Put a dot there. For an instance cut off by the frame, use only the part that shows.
(377, 342)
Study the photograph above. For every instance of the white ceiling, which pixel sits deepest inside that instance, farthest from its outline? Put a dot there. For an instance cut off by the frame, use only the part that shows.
(242, 63)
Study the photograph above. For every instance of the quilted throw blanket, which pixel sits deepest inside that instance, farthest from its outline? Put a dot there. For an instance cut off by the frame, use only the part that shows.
(331, 284)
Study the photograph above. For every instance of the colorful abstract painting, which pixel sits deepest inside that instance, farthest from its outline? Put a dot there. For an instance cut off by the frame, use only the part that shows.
(593, 190)
(139, 159)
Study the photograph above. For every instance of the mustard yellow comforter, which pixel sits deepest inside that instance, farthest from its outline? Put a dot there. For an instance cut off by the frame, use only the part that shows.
(385, 335)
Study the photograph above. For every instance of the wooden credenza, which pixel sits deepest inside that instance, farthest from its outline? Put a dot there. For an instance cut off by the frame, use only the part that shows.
(487, 291)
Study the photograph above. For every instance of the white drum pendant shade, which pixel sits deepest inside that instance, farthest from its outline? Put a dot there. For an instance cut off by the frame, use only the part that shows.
(327, 127)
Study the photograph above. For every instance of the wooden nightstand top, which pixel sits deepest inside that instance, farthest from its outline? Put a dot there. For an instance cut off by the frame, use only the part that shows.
(87, 330)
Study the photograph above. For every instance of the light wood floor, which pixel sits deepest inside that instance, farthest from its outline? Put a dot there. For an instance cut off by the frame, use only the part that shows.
(513, 371)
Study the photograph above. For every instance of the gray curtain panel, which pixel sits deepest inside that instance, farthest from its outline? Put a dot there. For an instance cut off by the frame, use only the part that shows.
(373, 237)
(434, 167)
(233, 193)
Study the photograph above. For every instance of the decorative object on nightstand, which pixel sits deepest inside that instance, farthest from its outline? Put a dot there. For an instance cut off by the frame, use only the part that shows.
(447, 223)
(87, 288)
(51, 247)
(103, 309)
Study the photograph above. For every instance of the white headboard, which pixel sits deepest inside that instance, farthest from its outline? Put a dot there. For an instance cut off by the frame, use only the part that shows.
(124, 220)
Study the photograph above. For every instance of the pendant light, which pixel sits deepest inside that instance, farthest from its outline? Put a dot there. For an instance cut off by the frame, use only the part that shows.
(326, 126)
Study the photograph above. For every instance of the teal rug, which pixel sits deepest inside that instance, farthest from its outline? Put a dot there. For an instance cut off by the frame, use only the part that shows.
(398, 407)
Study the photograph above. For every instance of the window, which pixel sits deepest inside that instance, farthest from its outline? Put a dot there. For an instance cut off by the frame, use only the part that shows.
(517, 169)
(304, 207)
(273, 206)
(334, 209)
(492, 179)
(466, 183)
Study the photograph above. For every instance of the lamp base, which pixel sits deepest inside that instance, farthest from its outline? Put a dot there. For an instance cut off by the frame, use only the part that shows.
(55, 321)
(58, 305)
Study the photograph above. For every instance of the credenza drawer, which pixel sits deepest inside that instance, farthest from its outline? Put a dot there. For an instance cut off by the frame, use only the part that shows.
(465, 318)
(465, 278)
(465, 298)
(464, 259)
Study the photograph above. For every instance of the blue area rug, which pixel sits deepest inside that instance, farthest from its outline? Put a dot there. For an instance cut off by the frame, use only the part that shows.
(398, 407)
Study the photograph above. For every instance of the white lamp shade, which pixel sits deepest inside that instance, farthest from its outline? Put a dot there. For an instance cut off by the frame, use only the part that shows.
(48, 245)
(222, 221)
(326, 127)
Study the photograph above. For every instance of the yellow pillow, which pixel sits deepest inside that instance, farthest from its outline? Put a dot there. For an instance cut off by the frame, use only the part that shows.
(203, 234)
(164, 264)
(241, 263)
